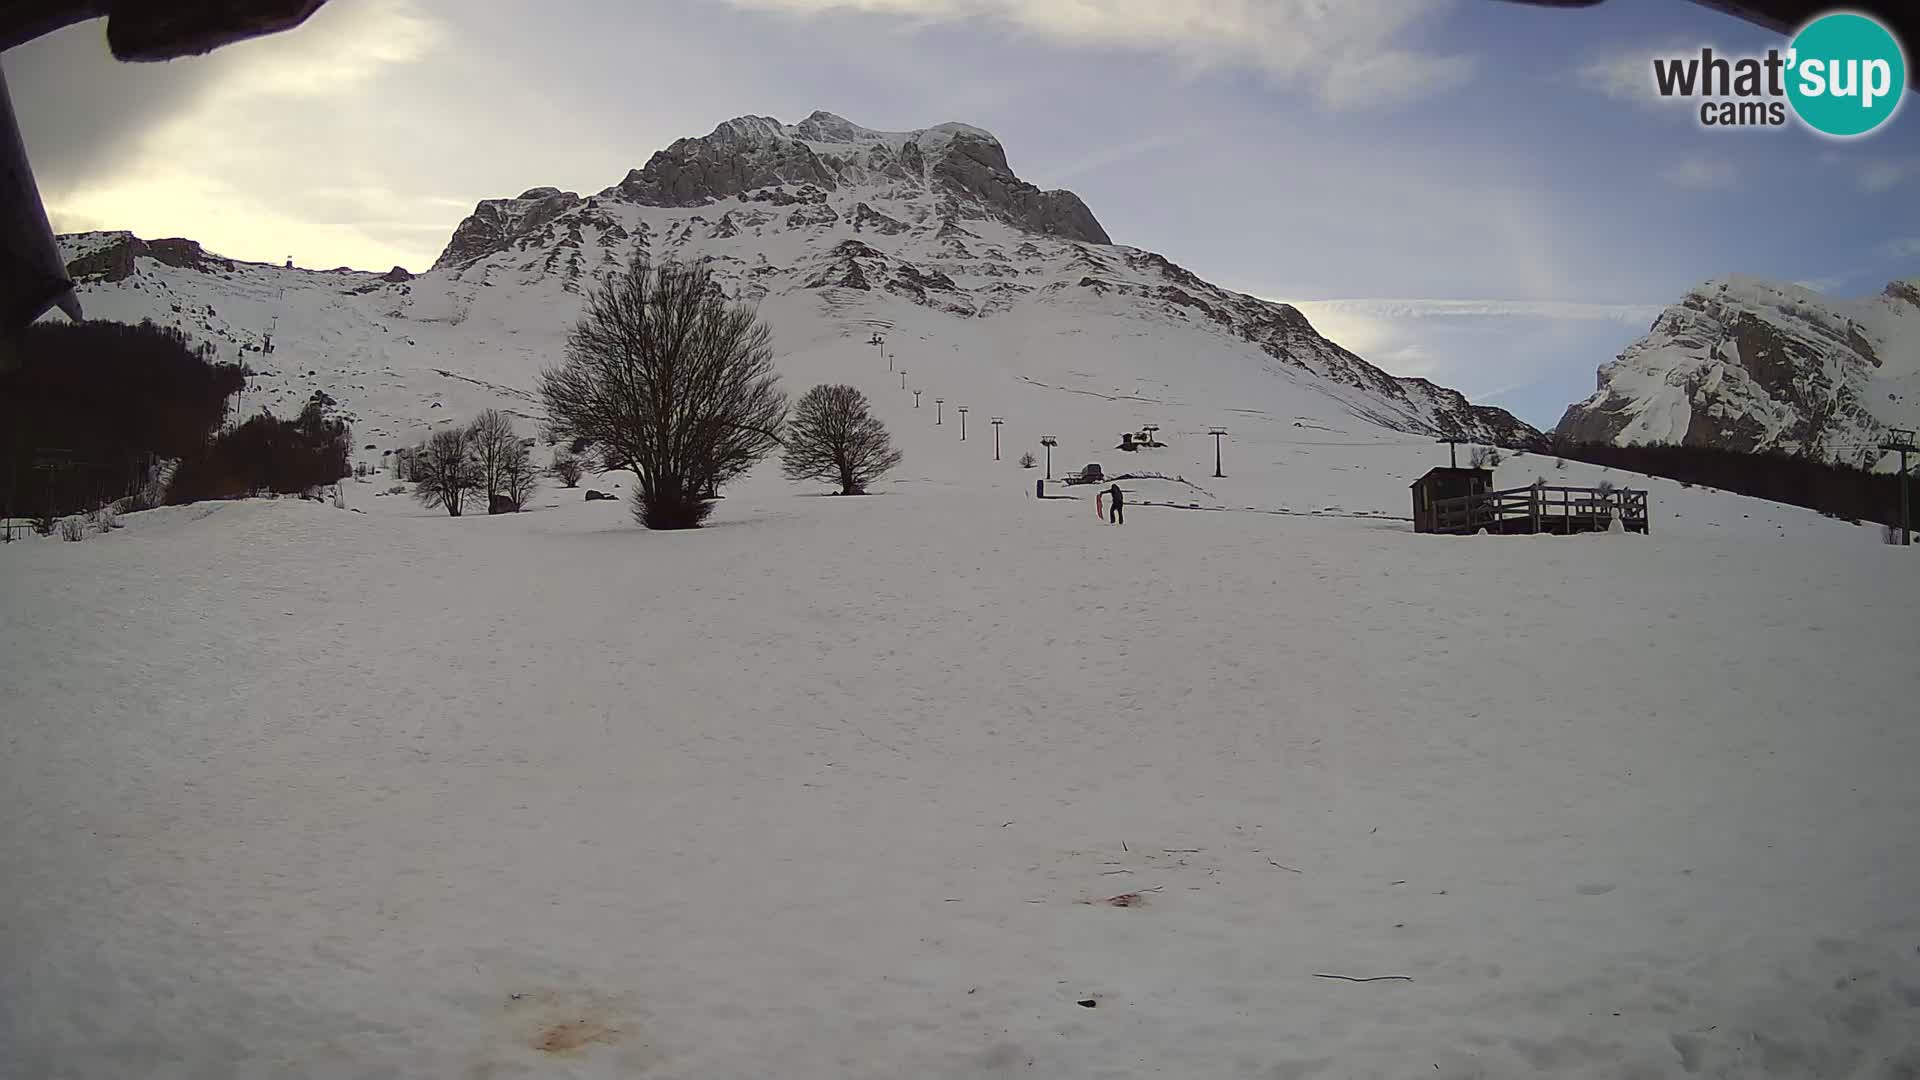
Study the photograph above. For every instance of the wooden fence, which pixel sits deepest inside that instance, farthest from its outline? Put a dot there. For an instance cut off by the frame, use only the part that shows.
(1540, 509)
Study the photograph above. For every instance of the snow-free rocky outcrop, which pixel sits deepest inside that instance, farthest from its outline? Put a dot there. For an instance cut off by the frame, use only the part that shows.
(964, 164)
(838, 230)
(1751, 365)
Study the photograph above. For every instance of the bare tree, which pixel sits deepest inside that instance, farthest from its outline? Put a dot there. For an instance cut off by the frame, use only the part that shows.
(567, 469)
(834, 437)
(492, 443)
(444, 472)
(518, 478)
(1028, 461)
(667, 379)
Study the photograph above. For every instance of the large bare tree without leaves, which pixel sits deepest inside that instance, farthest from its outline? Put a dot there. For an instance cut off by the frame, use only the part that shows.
(518, 477)
(493, 443)
(444, 472)
(833, 436)
(666, 378)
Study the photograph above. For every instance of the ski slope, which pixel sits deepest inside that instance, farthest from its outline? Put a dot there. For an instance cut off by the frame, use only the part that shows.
(1084, 366)
(834, 788)
(847, 787)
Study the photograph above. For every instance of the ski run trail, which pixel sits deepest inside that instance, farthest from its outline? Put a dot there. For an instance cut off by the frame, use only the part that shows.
(848, 787)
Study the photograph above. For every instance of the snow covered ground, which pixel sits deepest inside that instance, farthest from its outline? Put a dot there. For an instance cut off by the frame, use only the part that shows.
(835, 788)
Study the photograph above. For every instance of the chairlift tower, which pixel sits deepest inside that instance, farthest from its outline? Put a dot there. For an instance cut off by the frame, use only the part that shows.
(1900, 440)
(1218, 433)
(1049, 442)
(996, 421)
(963, 423)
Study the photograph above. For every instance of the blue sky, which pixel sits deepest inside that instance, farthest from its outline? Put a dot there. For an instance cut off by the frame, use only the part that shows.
(1482, 193)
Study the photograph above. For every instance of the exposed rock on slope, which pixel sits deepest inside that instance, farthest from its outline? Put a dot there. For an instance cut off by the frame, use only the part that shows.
(1749, 365)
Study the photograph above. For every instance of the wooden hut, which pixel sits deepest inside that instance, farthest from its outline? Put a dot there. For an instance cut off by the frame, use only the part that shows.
(1445, 483)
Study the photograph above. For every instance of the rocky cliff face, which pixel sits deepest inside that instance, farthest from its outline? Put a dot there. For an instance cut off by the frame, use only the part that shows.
(496, 223)
(1750, 365)
(758, 156)
(111, 256)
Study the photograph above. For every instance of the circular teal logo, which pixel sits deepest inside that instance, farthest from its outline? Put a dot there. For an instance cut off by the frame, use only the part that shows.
(1846, 74)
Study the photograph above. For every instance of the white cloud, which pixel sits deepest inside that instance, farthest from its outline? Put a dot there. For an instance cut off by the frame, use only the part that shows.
(1350, 55)
(1626, 73)
(1886, 174)
(1111, 155)
(1699, 173)
(1530, 356)
(214, 170)
(1363, 308)
(331, 55)
(1905, 248)
(1822, 284)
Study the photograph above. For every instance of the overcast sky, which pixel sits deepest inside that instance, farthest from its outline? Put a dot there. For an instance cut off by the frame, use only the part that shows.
(1481, 193)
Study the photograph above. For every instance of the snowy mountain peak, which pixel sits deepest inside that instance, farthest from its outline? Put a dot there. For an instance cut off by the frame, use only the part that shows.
(759, 158)
(1750, 364)
(836, 231)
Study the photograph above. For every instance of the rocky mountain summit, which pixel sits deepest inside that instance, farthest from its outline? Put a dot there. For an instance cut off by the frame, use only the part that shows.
(935, 216)
(1746, 364)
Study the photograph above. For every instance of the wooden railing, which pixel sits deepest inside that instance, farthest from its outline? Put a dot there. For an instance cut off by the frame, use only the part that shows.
(1540, 508)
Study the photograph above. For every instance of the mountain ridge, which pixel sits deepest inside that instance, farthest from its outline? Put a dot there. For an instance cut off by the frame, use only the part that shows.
(1749, 364)
(848, 228)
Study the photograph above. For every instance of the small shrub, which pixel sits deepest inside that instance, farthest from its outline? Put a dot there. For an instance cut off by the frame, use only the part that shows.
(1027, 461)
(1603, 486)
(267, 455)
(73, 528)
(1478, 457)
(110, 519)
(1559, 463)
(1494, 459)
(1890, 534)
(568, 470)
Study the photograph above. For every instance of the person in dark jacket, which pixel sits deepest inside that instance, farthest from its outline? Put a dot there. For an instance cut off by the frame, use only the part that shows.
(1115, 502)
